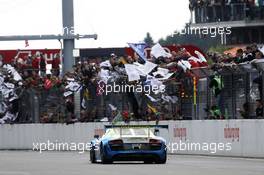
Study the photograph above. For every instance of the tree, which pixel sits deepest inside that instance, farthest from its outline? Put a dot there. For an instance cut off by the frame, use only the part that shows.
(203, 42)
(149, 40)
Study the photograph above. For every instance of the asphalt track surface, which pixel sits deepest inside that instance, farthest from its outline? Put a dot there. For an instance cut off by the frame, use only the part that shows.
(71, 163)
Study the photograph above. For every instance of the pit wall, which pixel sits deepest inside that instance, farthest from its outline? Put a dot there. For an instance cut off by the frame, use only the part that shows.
(242, 138)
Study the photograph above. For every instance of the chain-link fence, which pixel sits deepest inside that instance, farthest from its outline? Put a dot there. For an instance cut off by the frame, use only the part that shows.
(237, 99)
(238, 93)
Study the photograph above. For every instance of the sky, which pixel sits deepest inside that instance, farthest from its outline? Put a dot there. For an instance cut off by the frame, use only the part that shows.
(115, 21)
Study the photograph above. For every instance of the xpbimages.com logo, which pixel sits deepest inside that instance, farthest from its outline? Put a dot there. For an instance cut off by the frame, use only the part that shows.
(209, 31)
(105, 89)
(198, 147)
(63, 146)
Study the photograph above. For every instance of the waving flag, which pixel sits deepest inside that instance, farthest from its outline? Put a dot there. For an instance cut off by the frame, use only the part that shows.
(139, 49)
(158, 51)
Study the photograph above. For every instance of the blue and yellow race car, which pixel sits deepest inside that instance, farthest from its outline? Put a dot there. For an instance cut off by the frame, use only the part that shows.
(129, 143)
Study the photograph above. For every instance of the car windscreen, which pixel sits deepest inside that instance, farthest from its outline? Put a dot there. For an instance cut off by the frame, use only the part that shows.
(128, 132)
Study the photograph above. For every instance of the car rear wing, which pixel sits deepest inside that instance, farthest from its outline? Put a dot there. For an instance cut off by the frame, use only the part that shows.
(156, 127)
(137, 126)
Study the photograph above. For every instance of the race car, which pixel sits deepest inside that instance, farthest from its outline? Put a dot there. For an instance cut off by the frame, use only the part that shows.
(129, 143)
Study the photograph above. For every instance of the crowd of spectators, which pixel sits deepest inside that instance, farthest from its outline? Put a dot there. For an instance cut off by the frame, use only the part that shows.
(22, 74)
(247, 58)
(86, 75)
(246, 55)
(226, 10)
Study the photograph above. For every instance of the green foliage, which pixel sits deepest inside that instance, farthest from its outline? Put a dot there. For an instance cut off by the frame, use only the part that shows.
(149, 40)
(201, 41)
(219, 48)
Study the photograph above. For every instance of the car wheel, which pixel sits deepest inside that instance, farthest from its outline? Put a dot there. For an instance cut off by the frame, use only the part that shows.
(148, 162)
(92, 155)
(162, 161)
(103, 157)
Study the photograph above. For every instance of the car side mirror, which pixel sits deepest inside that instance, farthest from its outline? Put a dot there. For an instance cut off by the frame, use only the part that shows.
(96, 136)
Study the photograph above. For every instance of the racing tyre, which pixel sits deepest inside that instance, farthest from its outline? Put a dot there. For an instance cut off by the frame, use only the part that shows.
(148, 162)
(103, 157)
(92, 155)
(162, 161)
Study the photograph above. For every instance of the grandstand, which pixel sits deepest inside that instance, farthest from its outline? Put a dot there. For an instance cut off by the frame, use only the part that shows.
(246, 18)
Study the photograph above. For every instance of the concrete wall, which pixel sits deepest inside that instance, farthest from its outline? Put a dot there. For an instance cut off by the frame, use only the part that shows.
(245, 137)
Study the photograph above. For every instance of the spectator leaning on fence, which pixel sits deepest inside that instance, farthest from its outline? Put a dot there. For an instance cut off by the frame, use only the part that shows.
(87, 74)
(259, 109)
(56, 65)
(42, 65)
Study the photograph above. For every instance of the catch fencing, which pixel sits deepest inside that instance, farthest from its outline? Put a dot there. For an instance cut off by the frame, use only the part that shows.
(193, 101)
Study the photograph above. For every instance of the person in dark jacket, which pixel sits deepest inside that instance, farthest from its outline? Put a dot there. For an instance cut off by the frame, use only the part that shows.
(248, 55)
(259, 109)
(239, 56)
(69, 104)
(42, 65)
(258, 81)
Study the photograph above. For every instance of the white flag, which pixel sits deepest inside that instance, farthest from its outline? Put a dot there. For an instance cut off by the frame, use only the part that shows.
(158, 51)
(132, 72)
